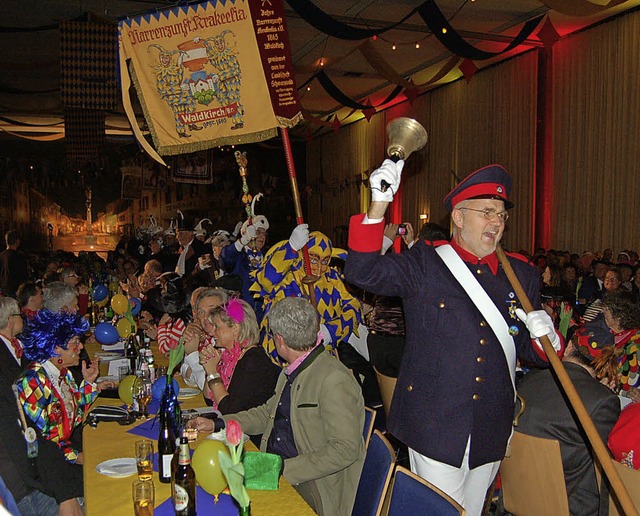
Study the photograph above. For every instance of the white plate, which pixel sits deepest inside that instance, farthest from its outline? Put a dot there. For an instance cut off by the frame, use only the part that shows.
(117, 468)
(106, 357)
(187, 392)
(222, 436)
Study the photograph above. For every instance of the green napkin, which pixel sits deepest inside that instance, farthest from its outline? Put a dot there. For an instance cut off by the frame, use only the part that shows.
(261, 470)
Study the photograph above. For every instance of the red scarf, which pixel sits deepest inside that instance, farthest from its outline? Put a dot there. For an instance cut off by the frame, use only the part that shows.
(227, 365)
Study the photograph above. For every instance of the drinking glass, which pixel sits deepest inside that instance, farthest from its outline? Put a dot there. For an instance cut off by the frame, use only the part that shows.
(143, 497)
(143, 394)
(123, 371)
(144, 459)
(189, 427)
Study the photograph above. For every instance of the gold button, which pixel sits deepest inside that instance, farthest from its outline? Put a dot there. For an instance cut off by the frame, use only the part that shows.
(479, 360)
(475, 397)
(441, 305)
(482, 324)
(410, 388)
(483, 342)
(479, 271)
(479, 379)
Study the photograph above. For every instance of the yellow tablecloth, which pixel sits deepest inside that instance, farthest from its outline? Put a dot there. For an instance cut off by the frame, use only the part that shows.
(112, 496)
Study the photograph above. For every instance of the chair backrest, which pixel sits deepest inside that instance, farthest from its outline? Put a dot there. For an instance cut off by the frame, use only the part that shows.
(631, 480)
(375, 477)
(533, 478)
(413, 495)
(369, 421)
(386, 386)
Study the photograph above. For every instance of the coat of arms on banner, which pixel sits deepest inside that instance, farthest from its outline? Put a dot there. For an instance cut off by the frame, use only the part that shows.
(209, 74)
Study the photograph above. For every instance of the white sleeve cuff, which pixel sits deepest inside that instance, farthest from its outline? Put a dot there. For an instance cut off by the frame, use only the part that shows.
(367, 220)
(238, 245)
(386, 244)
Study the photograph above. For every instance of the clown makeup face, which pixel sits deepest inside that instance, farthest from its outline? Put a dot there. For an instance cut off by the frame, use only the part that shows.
(319, 265)
(69, 356)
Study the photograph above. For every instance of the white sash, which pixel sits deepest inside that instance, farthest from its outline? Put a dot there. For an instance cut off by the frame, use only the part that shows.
(483, 302)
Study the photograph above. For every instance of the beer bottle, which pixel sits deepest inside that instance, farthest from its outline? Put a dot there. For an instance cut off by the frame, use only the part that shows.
(131, 353)
(166, 441)
(183, 483)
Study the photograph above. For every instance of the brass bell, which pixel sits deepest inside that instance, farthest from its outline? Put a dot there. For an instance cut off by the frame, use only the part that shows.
(405, 135)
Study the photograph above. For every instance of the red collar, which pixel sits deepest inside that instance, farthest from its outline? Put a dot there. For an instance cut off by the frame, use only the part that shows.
(490, 260)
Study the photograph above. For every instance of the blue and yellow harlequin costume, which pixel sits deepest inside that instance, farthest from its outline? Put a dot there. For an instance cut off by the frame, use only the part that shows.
(280, 275)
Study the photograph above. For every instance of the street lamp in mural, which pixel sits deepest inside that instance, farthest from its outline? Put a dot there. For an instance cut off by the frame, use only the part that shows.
(88, 202)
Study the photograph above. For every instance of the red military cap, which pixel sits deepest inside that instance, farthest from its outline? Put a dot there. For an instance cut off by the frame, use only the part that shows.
(490, 182)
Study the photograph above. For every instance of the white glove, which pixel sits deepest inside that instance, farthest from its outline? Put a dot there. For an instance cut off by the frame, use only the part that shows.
(249, 234)
(326, 336)
(299, 236)
(389, 172)
(539, 323)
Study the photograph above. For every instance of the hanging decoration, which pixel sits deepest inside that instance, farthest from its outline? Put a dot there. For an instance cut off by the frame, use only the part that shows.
(327, 24)
(343, 99)
(468, 69)
(453, 42)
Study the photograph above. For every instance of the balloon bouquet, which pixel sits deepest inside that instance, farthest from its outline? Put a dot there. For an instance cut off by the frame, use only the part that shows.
(121, 326)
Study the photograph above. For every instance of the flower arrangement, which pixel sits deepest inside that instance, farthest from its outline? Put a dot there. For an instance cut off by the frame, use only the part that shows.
(232, 466)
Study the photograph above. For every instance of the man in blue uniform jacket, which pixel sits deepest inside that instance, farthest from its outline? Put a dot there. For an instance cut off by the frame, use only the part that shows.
(454, 401)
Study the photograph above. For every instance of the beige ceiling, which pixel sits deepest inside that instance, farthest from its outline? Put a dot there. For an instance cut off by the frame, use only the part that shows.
(31, 60)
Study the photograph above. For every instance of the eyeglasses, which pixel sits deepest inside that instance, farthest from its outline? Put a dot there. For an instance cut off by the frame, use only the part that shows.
(491, 214)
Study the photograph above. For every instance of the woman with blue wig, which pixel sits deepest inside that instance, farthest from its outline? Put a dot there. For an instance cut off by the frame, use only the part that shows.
(48, 393)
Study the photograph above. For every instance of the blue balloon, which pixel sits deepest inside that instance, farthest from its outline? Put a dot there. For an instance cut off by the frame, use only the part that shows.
(100, 293)
(106, 334)
(157, 389)
(136, 305)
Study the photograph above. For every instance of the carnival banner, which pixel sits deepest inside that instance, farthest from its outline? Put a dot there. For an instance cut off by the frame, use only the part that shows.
(209, 74)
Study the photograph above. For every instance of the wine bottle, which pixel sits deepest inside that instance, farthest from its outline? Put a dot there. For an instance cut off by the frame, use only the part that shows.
(166, 440)
(183, 483)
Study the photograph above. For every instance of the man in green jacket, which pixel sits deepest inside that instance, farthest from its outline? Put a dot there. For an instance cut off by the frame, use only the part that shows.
(315, 420)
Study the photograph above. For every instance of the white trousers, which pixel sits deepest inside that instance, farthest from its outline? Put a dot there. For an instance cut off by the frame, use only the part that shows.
(466, 486)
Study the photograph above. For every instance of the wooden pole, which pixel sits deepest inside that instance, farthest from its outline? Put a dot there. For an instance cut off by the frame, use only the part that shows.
(574, 398)
(309, 279)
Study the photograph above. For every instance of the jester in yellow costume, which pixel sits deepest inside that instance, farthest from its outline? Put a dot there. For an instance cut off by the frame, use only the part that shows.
(281, 275)
(171, 88)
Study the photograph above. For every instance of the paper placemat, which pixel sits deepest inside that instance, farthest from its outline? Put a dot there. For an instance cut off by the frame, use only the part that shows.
(204, 505)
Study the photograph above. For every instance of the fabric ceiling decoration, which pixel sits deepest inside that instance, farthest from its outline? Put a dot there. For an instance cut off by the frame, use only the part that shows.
(343, 99)
(579, 7)
(453, 42)
(327, 24)
(378, 63)
(40, 138)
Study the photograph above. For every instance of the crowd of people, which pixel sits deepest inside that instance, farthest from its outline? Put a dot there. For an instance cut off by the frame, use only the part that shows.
(262, 327)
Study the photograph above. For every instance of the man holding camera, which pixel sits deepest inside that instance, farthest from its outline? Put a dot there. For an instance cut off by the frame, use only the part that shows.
(454, 400)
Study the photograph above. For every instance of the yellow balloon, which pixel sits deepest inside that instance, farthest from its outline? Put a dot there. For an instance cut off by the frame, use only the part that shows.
(114, 286)
(126, 387)
(124, 328)
(206, 464)
(102, 303)
(120, 304)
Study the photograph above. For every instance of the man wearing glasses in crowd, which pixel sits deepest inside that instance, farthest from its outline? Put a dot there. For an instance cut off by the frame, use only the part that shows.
(454, 400)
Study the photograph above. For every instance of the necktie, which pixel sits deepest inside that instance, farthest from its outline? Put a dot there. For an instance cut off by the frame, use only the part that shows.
(16, 347)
